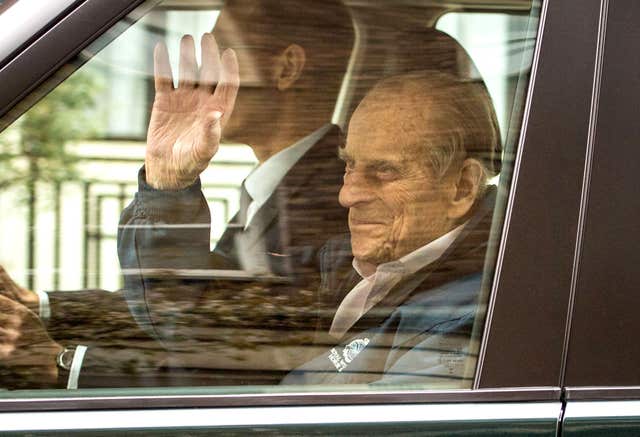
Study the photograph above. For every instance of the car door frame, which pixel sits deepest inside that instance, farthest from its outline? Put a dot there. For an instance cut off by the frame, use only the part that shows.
(533, 272)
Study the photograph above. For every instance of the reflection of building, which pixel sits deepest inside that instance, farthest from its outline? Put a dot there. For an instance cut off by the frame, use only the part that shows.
(76, 226)
(76, 223)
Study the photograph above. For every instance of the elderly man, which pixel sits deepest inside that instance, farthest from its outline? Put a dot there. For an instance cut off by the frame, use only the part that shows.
(420, 150)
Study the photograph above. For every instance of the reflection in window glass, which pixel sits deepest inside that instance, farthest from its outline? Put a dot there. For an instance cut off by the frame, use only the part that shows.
(314, 208)
(499, 44)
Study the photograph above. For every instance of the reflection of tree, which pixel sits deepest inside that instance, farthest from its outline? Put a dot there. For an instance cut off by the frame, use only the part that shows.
(34, 147)
(34, 150)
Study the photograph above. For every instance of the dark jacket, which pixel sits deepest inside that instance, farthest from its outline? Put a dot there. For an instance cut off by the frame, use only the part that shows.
(424, 331)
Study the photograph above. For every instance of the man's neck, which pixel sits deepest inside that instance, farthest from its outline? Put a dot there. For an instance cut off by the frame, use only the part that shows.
(282, 139)
(296, 118)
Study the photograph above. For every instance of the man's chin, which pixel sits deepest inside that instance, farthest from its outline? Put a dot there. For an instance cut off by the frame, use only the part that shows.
(367, 253)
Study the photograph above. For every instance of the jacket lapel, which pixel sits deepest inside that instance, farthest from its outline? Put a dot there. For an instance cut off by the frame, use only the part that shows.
(465, 256)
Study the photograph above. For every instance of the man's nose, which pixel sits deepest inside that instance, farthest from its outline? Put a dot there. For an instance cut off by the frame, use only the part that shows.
(355, 189)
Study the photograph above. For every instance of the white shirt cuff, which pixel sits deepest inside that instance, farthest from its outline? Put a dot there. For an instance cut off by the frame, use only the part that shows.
(44, 309)
(76, 365)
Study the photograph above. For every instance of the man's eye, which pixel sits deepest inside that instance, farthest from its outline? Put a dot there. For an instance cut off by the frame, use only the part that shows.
(386, 173)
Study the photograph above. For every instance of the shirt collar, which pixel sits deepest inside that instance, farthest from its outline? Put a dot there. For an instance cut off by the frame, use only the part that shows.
(264, 179)
(419, 258)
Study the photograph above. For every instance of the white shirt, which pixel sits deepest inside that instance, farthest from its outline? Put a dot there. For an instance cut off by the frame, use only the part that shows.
(264, 179)
(373, 288)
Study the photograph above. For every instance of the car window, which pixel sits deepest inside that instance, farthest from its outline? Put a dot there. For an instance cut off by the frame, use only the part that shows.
(289, 193)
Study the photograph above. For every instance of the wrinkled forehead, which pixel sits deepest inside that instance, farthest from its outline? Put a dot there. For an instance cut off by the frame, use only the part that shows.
(388, 123)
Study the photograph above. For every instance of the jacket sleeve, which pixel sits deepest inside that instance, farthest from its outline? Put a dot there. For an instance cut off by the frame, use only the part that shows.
(84, 316)
(118, 352)
(163, 245)
(164, 229)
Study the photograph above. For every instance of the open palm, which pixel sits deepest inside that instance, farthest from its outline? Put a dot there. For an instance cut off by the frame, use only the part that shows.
(186, 122)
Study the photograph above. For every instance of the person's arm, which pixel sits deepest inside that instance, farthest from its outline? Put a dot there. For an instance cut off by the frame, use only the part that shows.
(167, 226)
(109, 348)
(166, 229)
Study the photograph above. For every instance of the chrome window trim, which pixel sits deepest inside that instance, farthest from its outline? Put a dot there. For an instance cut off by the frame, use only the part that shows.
(73, 401)
(512, 194)
(36, 14)
(602, 409)
(210, 417)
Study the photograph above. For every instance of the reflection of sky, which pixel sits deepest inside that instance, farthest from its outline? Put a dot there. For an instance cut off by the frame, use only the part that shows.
(126, 65)
(500, 46)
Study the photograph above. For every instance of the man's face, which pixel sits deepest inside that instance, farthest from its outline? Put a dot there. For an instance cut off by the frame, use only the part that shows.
(236, 28)
(396, 204)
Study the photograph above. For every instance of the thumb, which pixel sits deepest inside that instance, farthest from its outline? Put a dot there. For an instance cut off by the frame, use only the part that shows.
(208, 140)
(213, 131)
(213, 120)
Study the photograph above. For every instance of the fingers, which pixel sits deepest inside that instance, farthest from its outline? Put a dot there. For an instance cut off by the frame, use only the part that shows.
(214, 69)
(210, 71)
(188, 66)
(227, 89)
(6, 283)
(163, 78)
(207, 147)
(11, 310)
(10, 322)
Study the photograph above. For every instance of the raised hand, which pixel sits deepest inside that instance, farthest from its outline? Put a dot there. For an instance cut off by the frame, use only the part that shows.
(186, 122)
(13, 291)
(27, 353)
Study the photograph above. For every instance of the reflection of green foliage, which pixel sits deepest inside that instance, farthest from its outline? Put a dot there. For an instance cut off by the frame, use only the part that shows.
(34, 147)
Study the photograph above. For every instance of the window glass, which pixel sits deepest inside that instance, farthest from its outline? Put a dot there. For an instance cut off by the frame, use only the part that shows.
(295, 193)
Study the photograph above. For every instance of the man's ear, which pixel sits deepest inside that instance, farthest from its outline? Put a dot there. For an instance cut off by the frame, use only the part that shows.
(465, 191)
(290, 67)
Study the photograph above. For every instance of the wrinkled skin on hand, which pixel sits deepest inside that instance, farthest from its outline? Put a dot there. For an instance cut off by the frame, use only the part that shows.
(186, 122)
(13, 291)
(27, 353)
